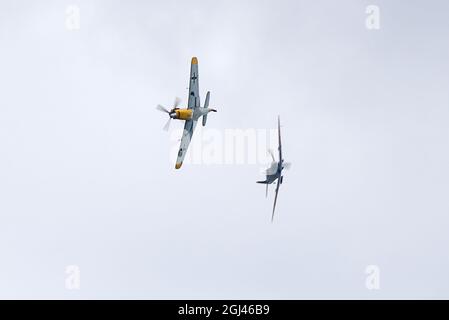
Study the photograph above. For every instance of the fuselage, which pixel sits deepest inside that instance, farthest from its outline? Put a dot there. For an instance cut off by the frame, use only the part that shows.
(273, 172)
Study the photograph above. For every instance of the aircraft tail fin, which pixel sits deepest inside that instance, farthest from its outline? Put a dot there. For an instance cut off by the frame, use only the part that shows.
(206, 105)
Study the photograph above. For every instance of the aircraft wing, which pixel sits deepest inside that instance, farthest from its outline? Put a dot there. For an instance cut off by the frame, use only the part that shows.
(194, 96)
(194, 102)
(276, 197)
(189, 127)
(280, 144)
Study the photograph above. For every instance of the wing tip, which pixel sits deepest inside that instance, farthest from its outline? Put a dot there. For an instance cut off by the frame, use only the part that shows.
(194, 60)
(178, 165)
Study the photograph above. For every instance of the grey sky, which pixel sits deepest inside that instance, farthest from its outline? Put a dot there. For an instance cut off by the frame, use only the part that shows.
(85, 176)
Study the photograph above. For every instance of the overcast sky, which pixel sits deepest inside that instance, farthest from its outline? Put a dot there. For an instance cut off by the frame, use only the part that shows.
(86, 177)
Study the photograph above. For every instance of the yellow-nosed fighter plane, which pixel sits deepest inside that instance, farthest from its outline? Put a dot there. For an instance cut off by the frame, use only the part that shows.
(191, 115)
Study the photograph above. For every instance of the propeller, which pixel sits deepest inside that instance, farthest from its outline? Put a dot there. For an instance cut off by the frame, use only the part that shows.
(271, 170)
(271, 154)
(287, 165)
(163, 109)
(167, 124)
(177, 102)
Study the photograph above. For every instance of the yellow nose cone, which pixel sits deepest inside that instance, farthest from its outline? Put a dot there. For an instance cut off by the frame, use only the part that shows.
(194, 60)
(178, 165)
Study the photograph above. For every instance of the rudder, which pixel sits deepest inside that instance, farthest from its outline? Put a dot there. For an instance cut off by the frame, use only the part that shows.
(206, 104)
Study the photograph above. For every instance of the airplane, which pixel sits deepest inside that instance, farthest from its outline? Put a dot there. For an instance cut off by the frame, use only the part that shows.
(274, 172)
(191, 114)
